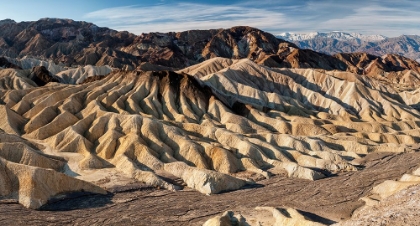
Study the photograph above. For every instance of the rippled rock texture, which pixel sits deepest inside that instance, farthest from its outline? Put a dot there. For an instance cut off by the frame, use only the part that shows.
(214, 127)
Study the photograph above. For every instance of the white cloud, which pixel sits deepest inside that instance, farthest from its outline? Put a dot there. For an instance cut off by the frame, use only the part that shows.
(186, 16)
(369, 17)
(374, 18)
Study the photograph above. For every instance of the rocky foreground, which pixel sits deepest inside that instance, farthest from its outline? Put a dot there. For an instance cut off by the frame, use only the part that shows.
(321, 201)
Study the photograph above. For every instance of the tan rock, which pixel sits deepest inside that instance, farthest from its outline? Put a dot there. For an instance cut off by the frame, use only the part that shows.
(289, 217)
(34, 186)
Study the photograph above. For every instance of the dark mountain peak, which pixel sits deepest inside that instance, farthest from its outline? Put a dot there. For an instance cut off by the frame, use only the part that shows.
(55, 20)
(243, 30)
(7, 21)
(59, 22)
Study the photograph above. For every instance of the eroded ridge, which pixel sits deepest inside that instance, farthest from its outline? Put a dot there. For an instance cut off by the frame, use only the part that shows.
(213, 127)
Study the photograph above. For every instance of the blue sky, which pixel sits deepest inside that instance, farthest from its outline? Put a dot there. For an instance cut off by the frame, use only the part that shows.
(387, 17)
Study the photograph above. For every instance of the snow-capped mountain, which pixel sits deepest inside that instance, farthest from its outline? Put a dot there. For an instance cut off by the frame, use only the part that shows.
(342, 42)
(342, 36)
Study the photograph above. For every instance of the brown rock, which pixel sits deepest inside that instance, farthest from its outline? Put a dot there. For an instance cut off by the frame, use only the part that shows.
(41, 76)
(6, 64)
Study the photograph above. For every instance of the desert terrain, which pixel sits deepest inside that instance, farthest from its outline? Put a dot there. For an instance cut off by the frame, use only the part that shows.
(255, 131)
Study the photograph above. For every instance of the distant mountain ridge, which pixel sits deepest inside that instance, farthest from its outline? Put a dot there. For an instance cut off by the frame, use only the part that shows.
(341, 42)
(81, 43)
(77, 43)
(335, 35)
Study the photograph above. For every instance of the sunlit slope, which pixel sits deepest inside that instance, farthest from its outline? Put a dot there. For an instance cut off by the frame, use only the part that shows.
(213, 127)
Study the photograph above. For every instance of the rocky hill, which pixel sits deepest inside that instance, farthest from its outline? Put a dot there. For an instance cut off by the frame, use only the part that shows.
(73, 43)
(81, 43)
(67, 41)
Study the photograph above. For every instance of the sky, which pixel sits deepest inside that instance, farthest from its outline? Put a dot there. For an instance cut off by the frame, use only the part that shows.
(387, 17)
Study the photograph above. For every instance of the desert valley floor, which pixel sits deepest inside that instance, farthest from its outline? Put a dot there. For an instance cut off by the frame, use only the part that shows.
(142, 205)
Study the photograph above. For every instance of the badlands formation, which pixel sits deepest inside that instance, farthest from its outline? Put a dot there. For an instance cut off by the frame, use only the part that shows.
(223, 127)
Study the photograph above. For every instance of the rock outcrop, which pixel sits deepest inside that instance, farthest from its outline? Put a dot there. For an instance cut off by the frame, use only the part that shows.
(280, 217)
(31, 177)
(4, 63)
(41, 76)
(388, 188)
(227, 219)
(399, 208)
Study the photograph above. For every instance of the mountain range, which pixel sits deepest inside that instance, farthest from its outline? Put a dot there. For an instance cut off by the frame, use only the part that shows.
(72, 43)
(341, 42)
(342, 36)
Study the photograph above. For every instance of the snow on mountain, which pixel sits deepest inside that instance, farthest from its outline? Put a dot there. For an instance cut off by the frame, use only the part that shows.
(335, 35)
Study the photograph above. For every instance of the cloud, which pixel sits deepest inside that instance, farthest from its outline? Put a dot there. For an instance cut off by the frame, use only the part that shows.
(186, 16)
(369, 17)
(378, 17)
